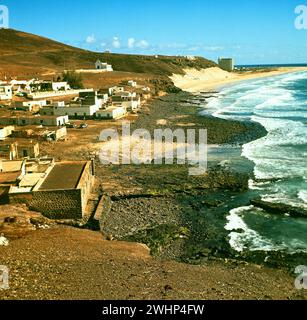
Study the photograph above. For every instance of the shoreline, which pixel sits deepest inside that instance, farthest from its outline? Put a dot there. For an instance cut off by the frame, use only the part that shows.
(214, 78)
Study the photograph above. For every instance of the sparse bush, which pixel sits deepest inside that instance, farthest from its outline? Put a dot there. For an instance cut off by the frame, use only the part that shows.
(74, 79)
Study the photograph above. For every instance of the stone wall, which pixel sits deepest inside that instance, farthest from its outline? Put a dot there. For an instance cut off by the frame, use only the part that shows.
(85, 184)
(58, 204)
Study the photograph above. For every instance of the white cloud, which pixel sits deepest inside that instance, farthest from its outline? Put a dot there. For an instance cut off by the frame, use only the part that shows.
(193, 48)
(143, 44)
(91, 39)
(213, 48)
(131, 43)
(103, 44)
(116, 43)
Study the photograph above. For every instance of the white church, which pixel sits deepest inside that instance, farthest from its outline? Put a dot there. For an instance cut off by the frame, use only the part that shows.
(103, 66)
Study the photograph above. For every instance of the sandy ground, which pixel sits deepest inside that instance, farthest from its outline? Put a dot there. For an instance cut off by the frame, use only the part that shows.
(66, 263)
(213, 78)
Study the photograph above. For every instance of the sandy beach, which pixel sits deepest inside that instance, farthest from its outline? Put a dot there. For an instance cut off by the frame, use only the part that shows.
(212, 78)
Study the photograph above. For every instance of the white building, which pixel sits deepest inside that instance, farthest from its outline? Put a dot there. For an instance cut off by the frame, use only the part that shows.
(34, 120)
(6, 131)
(6, 93)
(103, 66)
(132, 83)
(30, 105)
(131, 103)
(114, 90)
(60, 86)
(112, 113)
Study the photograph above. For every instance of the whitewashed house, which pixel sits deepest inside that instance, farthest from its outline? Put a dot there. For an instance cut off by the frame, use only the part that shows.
(6, 131)
(103, 66)
(60, 86)
(112, 113)
(6, 92)
(130, 103)
(132, 83)
(114, 90)
(31, 106)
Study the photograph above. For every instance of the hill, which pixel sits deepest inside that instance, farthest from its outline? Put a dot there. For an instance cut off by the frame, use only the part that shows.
(27, 54)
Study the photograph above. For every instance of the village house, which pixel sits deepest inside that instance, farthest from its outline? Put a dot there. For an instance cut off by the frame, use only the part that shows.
(130, 103)
(85, 106)
(115, 89)
(12, 150)
(6, 92)
(132, 83)
(59, 190)
(34, 120)
(103, 66)
(6, 131)
(40, 133)
(31, 106)
(112, 113)
(8, 150)
(27, 149)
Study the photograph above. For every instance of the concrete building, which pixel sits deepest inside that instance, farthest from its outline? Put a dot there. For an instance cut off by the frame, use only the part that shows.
(57, 190)
(40, 133)
(73, 111)
(27, 149)
(132, 83)
(34, 120)
(13, 150)
(103, 66)
(6, 92)
(60, 86)
(6, 131)
(115, 89)
(8, 150)
(112, 113)
(131, 104)
(31, 106)
(226, 64)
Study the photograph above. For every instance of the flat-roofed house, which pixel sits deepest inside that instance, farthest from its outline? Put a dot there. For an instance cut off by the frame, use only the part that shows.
(8, 150)
(112, 113)
(130, 103)
(31, 106)
(6, 92)
(6, 131)
(60, 191)
(27, 149)
(34, 120)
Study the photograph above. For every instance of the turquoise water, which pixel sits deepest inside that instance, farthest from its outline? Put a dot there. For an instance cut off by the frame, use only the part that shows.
(280, 104)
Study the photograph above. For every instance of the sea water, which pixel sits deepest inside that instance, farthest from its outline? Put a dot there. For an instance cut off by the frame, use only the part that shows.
(279, 104)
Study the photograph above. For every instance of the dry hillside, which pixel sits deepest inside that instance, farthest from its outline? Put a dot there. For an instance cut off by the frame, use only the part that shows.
(24, 54)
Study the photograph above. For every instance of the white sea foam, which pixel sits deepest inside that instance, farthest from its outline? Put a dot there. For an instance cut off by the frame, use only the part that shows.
(280, 156)
(303, 195)
(241, 236)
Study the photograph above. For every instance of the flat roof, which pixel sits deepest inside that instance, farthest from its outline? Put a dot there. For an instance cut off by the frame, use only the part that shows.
(9, 177)
(63, 176)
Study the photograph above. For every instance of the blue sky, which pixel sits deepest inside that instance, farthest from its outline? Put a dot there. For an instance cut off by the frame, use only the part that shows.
(252, 31)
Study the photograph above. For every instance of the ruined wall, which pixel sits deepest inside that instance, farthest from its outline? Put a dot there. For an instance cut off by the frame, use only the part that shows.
(86, 184)
(58, 204)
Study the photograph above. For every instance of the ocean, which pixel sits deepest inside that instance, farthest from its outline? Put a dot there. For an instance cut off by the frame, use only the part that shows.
(279, 104)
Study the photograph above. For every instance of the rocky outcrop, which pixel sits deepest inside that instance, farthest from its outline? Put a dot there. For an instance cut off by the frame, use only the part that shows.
(280, 208)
